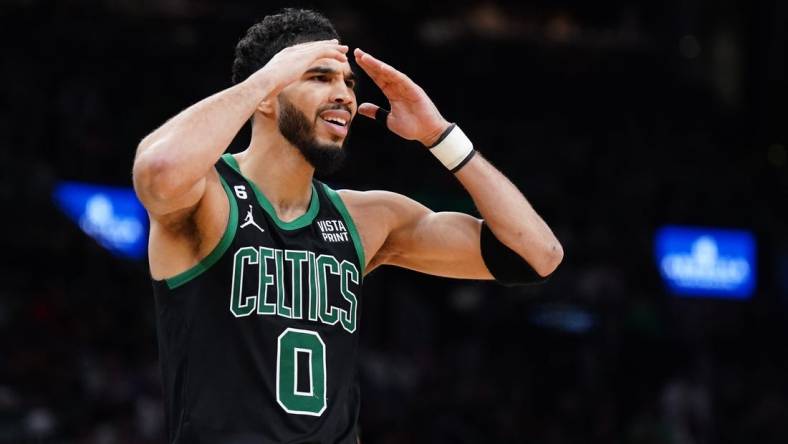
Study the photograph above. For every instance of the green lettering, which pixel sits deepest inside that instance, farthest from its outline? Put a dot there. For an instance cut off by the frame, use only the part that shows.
(296, 257)
(242, 305)
(313, 301)
(329, 315)
(266, 280)
(348, 318)
(282, 309)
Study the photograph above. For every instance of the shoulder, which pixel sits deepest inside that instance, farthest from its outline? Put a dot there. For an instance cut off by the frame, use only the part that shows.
(376, 214)
(381, 207)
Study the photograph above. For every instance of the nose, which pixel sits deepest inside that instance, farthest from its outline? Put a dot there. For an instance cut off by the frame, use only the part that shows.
(341, 93)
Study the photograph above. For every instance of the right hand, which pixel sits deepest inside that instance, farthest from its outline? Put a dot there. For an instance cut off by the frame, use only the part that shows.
(289, 64)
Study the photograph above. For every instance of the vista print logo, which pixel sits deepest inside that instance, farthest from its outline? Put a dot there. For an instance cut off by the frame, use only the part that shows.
(714, 262)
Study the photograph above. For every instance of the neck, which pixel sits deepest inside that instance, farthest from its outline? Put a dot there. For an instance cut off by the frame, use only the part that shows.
(279, 171)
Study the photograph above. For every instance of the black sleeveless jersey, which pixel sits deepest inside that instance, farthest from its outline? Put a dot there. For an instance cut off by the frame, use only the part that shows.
(258, 342)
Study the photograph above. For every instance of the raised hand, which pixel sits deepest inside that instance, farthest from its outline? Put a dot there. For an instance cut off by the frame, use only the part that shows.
(413, 116)
(289, 64)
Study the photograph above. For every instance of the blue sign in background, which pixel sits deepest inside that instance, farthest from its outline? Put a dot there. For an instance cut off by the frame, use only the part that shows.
(113, 216)
(706, 261)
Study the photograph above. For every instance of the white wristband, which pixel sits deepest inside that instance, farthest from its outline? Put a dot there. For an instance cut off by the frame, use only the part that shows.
(455, 150)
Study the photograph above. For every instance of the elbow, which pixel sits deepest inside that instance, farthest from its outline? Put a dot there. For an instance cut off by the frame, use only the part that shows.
(155, 176)
(551, 257)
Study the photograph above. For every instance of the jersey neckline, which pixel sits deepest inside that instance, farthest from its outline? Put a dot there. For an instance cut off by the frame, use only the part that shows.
(299, 222)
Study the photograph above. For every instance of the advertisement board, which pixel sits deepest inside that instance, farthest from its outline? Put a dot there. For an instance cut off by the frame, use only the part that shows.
(711, 262)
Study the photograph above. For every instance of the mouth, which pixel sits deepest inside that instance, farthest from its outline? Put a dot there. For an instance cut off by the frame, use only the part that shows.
(336, 121)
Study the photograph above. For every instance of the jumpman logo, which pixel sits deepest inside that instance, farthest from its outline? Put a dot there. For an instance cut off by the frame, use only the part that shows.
(249, 220)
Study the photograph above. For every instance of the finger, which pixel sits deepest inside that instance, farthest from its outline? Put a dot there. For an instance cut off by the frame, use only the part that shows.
(320, 42)
(340, 53)
(370, 65)
(341, 56)
(329, 44)
(341, 48)
(394, 84)
(377, 68)
(375, 112)
(374, 68)
(326, 49)
(372, 111)
(382, 116)
(308, 46)
(332, 53)
(368, 60)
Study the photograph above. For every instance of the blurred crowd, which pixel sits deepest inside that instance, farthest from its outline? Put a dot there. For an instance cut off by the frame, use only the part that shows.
(613, 122)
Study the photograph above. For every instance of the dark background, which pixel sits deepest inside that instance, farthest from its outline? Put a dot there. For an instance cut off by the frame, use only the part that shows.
(613, 117)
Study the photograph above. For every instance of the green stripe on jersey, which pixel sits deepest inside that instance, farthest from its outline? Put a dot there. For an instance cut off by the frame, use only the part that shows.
(299, 222)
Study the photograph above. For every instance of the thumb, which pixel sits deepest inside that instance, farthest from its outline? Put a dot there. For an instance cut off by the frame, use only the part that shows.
(368, 110)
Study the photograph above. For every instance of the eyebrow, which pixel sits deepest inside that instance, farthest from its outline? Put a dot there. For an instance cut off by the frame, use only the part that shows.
(350, 75)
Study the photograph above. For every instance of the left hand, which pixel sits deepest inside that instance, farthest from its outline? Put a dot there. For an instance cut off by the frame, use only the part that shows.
(413, 115)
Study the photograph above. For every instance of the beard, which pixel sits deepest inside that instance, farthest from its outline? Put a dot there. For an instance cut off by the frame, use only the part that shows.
(326, 158)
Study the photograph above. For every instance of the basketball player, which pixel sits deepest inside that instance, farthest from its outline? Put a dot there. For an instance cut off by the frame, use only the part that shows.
(258, 267)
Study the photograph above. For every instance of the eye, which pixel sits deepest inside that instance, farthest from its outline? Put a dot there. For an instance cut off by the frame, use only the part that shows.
(321, 78)
(350, 84)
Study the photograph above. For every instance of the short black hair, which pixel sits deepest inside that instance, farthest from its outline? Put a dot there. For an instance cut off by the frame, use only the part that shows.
(275, 33)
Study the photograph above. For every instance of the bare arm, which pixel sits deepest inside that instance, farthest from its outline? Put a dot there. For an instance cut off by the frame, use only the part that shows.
(396, 230)
(173, 161)
(399, 231)
(510, 216)
(448, 244)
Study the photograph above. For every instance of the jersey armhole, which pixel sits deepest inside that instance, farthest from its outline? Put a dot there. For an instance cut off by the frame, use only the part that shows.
(340, 206)
(217, 252)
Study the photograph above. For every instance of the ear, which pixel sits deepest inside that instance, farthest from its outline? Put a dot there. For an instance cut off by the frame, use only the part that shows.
(267, 108)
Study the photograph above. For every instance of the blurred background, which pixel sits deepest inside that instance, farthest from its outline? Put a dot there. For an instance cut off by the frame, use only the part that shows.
(651, 135)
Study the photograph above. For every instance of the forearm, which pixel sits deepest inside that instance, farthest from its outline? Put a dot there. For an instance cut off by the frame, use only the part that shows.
(175, 156)
(509, 215)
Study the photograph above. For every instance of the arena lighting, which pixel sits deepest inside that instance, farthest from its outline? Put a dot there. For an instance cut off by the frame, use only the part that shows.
(111, 215)
(566, 318)
(706, 262)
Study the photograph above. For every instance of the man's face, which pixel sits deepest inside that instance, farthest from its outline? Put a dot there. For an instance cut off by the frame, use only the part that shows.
(316, 111)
